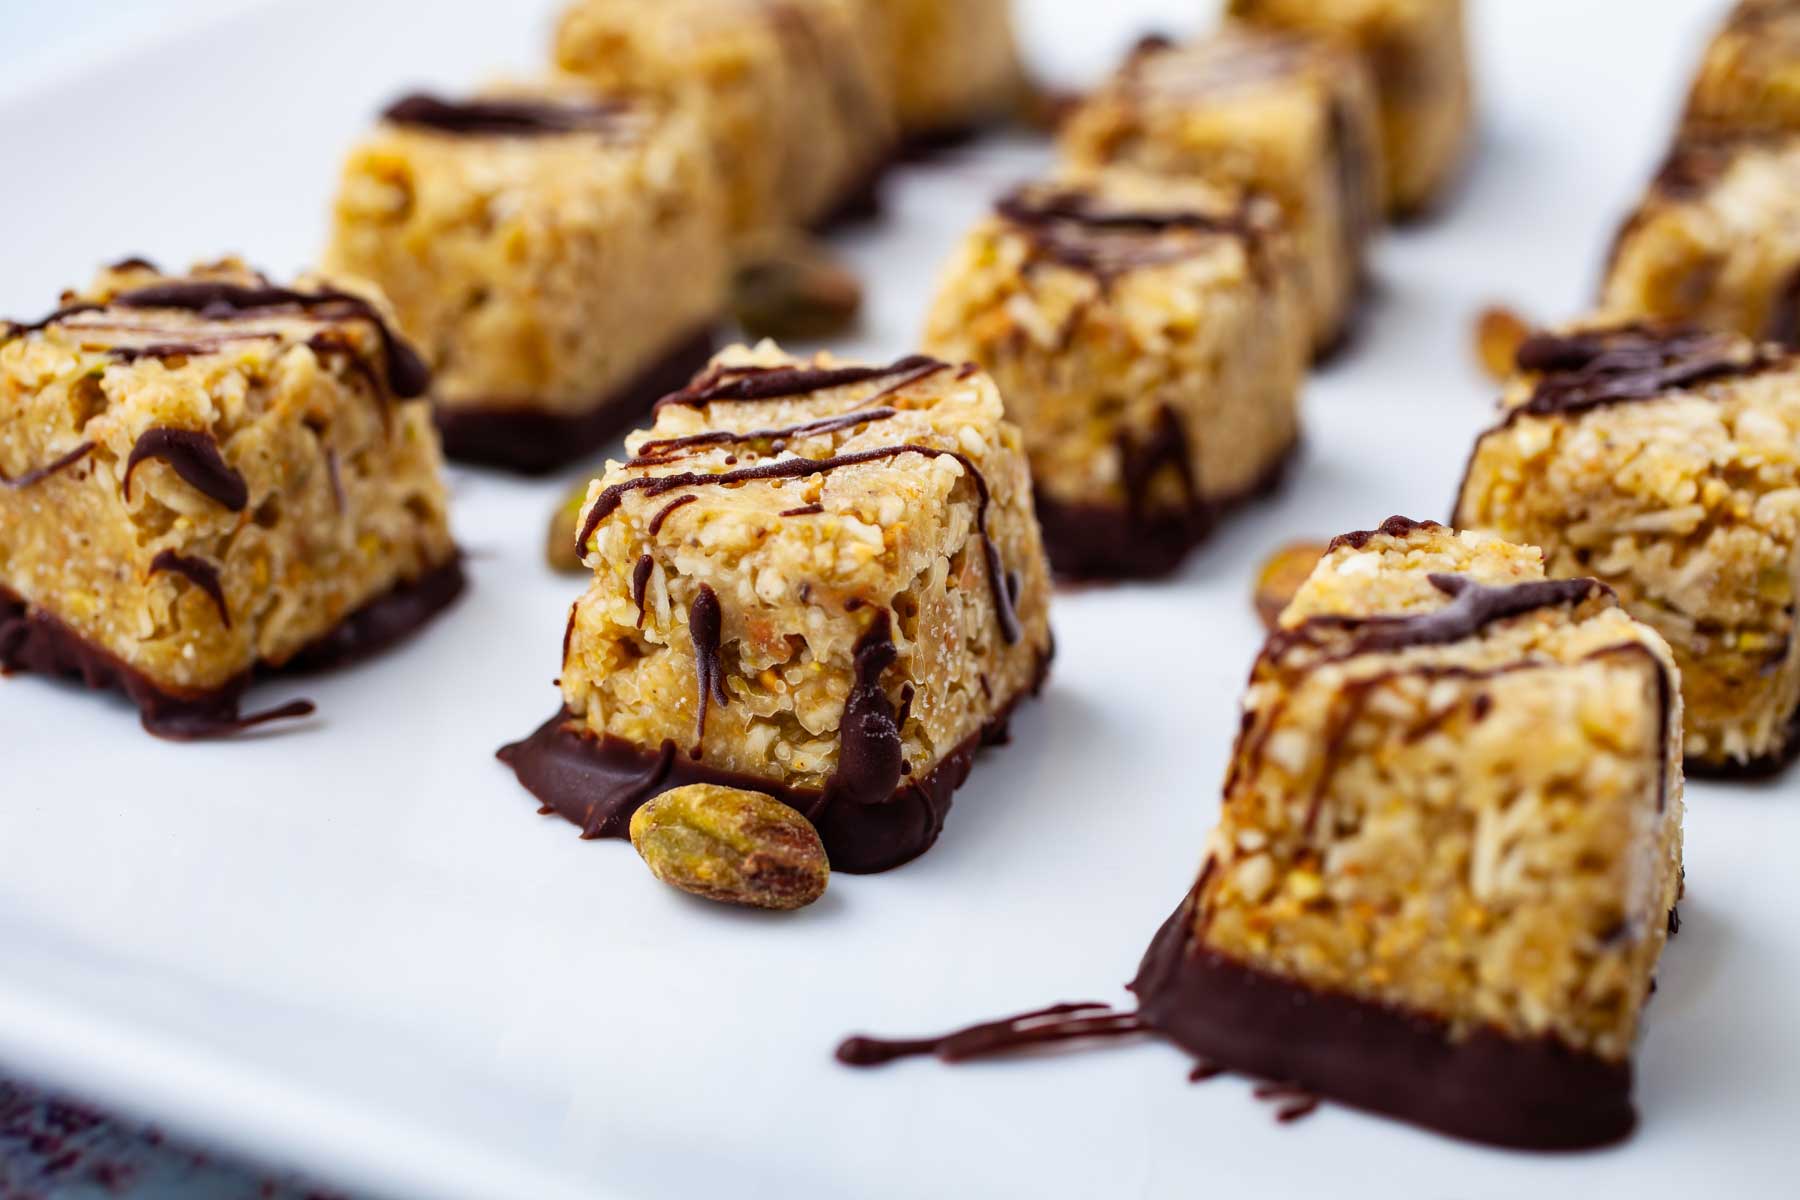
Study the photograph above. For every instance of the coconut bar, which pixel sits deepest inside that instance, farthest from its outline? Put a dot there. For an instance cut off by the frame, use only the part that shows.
(1666, 462)
(1716, 241)
(1449, 848)
(1149, 339)
(818, 580)
(797, 112)
(1289, 117)
(1417, 52)
(954, 65)
(559, 260)
(207, 476)
(1746, 82)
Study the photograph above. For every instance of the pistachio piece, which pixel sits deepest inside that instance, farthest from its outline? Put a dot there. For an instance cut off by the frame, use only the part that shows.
(559, 544)
(733, 846)
(1281, 575)
(793, 288)
(1499, 332)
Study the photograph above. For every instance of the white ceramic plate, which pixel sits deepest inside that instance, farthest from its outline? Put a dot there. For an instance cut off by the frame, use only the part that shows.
(352, 946)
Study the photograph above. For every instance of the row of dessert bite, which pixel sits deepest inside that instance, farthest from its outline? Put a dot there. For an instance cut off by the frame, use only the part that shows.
(1150, 309)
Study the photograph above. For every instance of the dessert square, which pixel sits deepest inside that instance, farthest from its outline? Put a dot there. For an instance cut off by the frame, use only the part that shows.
(558, 258)
(1449, 848)
(1149, 340)
(798, 112)
(1290, 117)
(205, 476)
(818, 580)
(1716, 241)
(1666, 462)
(954, 65)
(1746, 82)
(1417, 52)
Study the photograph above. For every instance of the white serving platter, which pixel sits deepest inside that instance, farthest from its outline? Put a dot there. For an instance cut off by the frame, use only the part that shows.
(352, 947)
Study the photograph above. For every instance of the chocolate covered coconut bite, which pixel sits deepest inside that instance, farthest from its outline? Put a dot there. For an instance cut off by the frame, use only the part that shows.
(1417, 51)
(814, 579)
(1446, 861)
(559, 258)
(797, 111)
(1716, 241)
(1665, 461)
(1289, 117)
(1149, 339)
(208, 475)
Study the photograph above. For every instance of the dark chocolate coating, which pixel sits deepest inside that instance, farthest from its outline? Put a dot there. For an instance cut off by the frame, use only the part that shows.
(781, 383)
(34, 641)
(1485, 1086)
(1092, 542)
(597, 784)
(533, 442)
(870, 752)
(1597, 368)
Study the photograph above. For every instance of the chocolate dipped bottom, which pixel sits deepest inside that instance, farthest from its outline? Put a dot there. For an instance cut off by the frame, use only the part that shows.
(598, 783)
(34, 641)
(530, 441)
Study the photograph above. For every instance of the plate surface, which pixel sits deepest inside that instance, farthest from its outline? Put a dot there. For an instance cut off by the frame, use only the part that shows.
(353, 946)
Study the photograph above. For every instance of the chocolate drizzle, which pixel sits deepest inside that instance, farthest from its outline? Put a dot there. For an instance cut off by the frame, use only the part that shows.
(1073, 228)
(800, 468)
(504, 118)
(195, 457)
(197, 571)
(664, 450)
(38, 474)
(407, 375)
(1141, 464)
(640, 582)
(656, 522)
(705, 627)
(870, 752)
(1058, 1023)
(780, 383)
(1473, 607)
(1593, 369)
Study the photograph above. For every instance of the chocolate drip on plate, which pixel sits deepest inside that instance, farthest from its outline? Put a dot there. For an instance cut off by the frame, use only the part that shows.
(197, 571)
(195, 457)
(1058, 1023)
(870, 753)
(506, 118)
(706, 623)
(780, 383)
(39, 474)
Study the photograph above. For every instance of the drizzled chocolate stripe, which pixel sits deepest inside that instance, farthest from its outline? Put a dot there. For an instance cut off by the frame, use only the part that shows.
(195, 457)
(1034, 207)
(663, 449)
(1589, 370)
(407, 375)
(799, 468)
(1473, 607)
(657, 522)
(779, 383)
(1058, 1023)
(197, 571)
(706, 623)
(39, 474)
(507, 118)
(870, 752)
(640, 580)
